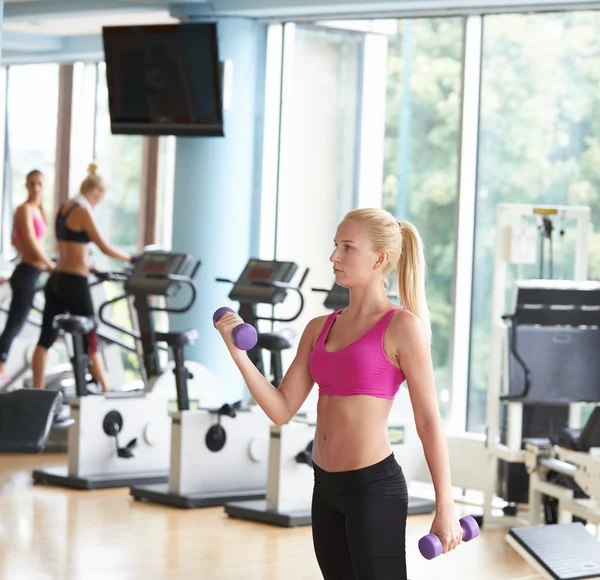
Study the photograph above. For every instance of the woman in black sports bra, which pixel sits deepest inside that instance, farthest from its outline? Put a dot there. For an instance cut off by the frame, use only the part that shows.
(67, 289)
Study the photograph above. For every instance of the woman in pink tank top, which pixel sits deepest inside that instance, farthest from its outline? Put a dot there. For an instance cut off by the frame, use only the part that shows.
(29, 230)
(359, 357)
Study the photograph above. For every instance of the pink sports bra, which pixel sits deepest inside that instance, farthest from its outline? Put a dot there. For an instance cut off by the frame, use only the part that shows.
(39, 225)
(361, 368)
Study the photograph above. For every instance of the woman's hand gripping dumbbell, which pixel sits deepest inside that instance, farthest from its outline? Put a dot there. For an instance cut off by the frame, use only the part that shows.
(229, 324)
(430, 545)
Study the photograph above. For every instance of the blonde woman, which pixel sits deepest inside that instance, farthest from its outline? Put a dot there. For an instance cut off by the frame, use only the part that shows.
(359, 357)
(67, 288)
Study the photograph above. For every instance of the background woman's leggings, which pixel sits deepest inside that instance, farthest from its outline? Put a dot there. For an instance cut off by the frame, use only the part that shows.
(359, 522)
(67, 293)
(23, 283)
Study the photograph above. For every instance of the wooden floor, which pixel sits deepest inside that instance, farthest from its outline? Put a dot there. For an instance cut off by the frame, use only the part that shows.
(52, 533)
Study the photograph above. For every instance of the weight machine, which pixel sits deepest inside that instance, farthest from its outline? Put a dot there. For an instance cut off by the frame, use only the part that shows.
(543, 359)
(516, 244)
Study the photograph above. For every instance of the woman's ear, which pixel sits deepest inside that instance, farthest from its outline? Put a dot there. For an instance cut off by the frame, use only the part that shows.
(382, 259)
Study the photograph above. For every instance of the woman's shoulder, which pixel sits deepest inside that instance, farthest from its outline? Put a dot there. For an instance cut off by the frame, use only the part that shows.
(314, 327)
(316, 324)
(23, 212)
(73, 208)
(404, 322)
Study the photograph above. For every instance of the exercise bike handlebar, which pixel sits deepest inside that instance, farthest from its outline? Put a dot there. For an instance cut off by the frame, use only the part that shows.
(135, 335)
(110, 276)
(284, 286)
(123, 276)
(184, 280)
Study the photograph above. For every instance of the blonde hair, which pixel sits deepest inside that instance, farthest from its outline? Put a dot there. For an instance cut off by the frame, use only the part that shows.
(92, 181)
(404, 244)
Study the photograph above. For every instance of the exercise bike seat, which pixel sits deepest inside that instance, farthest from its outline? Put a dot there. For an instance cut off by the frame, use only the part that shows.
(178, 338)
(273, 341)
(26, 416)
(73, 324)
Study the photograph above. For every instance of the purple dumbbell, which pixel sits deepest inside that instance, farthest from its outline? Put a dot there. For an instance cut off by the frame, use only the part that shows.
(244, 335)
(430, 545)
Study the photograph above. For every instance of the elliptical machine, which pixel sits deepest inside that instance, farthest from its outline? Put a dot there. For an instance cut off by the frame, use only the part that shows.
(219, 455)
(122, 438)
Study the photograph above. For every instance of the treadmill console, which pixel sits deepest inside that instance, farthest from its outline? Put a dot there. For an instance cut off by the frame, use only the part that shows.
(252, 287)
(151, 274)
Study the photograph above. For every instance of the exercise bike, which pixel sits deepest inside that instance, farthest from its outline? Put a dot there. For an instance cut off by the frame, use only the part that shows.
(122, 438)
(220, 454)
(290, 474)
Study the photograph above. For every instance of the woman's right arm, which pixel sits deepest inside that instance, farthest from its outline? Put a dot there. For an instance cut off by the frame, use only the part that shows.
(280, 405)
(90, 229)
(24, 222)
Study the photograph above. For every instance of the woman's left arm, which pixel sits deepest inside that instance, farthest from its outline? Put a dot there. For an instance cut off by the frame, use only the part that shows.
(413, 351)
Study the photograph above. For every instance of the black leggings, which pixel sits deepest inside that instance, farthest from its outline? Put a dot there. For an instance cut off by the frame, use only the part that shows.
(67, 293)
(23, 283)
(359, 522)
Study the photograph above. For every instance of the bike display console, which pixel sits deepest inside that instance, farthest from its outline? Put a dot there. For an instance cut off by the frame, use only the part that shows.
(257, 283)
(153, 274)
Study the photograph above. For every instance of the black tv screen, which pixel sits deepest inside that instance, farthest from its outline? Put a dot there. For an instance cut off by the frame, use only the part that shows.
(164, 79)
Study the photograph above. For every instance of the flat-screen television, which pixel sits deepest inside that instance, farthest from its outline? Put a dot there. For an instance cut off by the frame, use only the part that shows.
(164, 79)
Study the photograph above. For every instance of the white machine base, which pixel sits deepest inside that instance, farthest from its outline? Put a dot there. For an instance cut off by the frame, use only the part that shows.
(257, 511)
(60, 476)
(159, 493)
(559, 551)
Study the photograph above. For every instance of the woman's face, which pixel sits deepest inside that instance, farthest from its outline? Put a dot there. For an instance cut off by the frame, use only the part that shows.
(35, 187)
(354, 261)
(96, 195)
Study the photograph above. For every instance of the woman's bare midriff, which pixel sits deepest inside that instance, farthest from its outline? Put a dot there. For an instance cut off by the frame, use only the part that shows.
(351, 432)
(73, 258)
(27, 255)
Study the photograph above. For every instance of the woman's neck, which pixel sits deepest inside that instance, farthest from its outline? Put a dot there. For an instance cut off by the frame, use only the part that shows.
(85, 200)
(367, 301)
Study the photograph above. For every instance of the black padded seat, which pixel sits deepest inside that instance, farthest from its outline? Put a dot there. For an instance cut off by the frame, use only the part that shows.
(273, 341)
(178, 338)
(71, 323)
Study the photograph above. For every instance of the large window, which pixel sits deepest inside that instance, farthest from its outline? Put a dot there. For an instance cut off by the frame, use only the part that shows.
(420, 178)
(120, 163)
(318, 152)
(539, 143)
(83, 124)
(32, 107)
(35, 100)
(370, 116)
